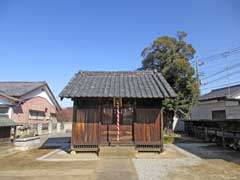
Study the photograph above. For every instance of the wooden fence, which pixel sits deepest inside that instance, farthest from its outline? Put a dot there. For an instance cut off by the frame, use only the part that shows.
(225, 133)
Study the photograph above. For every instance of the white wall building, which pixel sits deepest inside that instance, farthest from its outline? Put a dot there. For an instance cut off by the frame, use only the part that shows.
(219, 104)
(28, 102)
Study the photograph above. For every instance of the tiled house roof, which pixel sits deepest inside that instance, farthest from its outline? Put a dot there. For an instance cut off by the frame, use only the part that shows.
(17, 89)
(137, 84)
(3, 94)
(226, 92)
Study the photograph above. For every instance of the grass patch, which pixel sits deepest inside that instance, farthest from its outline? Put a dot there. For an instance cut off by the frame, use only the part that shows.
(168, 139)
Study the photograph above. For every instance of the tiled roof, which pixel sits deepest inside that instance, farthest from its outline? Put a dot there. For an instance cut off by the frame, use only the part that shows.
(136, 84)
(5, 122)
(17, 89)
(9, 97)
(226, 92)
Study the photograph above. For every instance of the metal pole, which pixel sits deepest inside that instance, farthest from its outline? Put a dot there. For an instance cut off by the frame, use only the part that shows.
(197, 73)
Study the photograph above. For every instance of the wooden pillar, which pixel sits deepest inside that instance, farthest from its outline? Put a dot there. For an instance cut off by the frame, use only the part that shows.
(223, 137)
(74, 118)
(188, 128)
(161, 130)
(194, 131)
(14, 135)
(99, 121)
(134, 119)
(206, 133)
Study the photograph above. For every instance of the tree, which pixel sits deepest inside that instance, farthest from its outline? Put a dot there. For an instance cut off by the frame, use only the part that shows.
(171, 56)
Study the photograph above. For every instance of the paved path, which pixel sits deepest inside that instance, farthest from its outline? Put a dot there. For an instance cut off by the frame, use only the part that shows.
(116, 169)
(7, 149)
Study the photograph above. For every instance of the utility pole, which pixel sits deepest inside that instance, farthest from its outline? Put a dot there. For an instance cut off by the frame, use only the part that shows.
(198, 63)
(197, 73)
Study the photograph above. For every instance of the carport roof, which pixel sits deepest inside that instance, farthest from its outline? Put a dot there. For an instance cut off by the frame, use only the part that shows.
(6, 122)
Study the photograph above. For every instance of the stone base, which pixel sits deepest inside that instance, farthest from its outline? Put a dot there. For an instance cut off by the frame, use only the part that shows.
(24, 144)
(73, 152)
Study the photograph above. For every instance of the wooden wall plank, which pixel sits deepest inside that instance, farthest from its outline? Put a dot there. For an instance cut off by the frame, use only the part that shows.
(147, 126)
(85, 128)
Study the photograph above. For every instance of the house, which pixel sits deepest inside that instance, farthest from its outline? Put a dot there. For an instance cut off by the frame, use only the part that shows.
(219, 104)
(117, 108)
(65, 115)
(28, 103)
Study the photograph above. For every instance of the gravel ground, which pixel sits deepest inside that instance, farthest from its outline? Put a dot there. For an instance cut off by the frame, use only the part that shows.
(156, 169)
(185, 161)
(217, 163)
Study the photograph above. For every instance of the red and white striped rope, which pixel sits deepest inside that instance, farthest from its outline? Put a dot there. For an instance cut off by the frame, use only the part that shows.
(118, 122)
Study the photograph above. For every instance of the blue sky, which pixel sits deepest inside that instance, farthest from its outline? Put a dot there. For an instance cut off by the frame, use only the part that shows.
(53, 39)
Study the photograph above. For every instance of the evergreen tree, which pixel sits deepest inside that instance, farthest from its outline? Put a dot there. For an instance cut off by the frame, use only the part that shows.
(171, 56)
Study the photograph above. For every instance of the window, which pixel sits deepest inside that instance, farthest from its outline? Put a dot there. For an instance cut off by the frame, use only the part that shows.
(4, 111)
(219, 115)
(107, 116)
(36, 115)
(127, 116)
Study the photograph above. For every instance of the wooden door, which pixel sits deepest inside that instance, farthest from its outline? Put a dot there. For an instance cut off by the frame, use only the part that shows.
(109, 128)
(85, 127)
(107, 119)
(126, 120)
(147, 127)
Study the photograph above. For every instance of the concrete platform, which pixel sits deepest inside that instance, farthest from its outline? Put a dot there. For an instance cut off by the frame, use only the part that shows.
(61, 155)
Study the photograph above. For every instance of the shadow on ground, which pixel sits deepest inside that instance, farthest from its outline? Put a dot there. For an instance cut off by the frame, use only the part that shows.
(57, 143)
(206, 150)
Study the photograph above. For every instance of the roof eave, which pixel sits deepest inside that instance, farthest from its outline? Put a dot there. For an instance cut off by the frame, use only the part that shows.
(219, 98)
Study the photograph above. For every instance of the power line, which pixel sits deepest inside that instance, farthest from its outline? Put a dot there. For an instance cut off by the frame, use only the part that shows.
(223, 85)
(222, 71)
(222, 55)
(212, 60)
(222, 77)
(228, 69)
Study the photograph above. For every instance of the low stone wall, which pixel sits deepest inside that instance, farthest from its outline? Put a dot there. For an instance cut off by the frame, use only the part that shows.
(24, 144)
(38, 129)
(67, 126)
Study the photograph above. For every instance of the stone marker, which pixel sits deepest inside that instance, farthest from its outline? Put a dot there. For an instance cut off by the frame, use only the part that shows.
(49, 128)
(58, 127)
(39, 128)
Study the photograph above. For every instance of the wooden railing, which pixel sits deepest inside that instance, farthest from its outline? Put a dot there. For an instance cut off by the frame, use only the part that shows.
(223, 132)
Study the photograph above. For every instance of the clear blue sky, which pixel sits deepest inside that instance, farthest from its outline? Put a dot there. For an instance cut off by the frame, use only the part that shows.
(53, 39)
